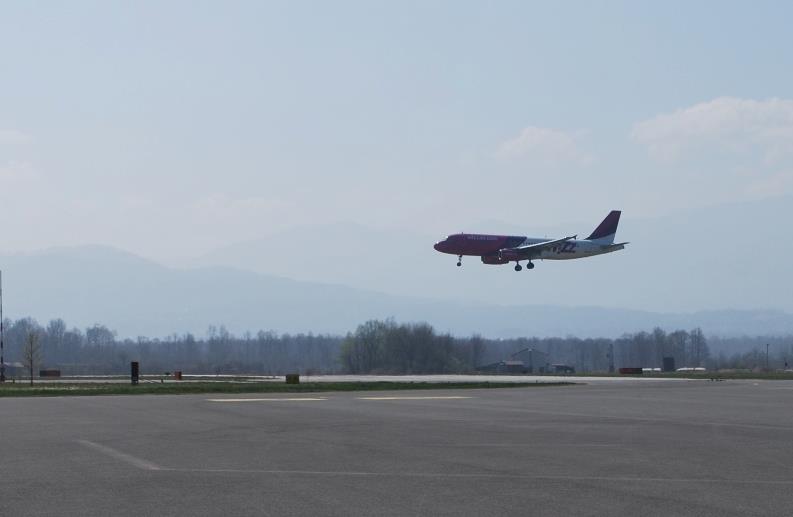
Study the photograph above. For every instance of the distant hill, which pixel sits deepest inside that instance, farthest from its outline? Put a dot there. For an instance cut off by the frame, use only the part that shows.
(733, 256)
(87, 285)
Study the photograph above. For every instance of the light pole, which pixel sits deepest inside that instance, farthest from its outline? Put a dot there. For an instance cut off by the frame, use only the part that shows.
(766, 356)
(611, 357)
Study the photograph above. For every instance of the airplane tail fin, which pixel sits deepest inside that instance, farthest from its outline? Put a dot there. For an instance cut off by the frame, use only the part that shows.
(607, 229)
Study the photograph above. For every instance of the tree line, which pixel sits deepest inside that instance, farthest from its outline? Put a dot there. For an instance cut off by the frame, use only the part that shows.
(98, 351)
(389, 347)
(374, 347)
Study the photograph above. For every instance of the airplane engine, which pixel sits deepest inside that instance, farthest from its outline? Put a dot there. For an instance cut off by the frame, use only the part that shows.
(507, 255)
(493, 259)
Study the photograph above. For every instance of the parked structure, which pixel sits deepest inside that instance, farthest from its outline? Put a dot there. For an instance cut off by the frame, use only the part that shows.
(526, 361)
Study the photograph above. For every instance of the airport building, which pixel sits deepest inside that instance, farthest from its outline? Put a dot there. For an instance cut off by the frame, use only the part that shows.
(524, 362)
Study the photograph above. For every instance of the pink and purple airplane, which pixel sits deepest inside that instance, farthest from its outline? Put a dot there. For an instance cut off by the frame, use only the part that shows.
(502, 249)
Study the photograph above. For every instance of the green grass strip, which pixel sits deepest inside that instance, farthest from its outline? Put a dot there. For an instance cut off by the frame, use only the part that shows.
(174, 388)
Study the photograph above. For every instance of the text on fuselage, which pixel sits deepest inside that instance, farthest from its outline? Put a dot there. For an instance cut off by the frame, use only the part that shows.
(567, 247)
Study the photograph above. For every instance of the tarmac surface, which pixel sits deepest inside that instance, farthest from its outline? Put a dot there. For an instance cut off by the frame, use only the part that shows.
(643, 447)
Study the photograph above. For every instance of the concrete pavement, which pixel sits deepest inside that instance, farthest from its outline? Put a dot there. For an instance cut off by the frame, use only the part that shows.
(651, 448)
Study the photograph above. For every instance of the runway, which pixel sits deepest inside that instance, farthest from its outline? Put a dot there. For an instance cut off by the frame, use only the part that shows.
(650, 448)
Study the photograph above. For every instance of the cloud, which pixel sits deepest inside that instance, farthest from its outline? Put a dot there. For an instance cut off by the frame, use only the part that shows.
(724, 124)
(13, 137)
(777, 184)
(16, 172)
(544, 145)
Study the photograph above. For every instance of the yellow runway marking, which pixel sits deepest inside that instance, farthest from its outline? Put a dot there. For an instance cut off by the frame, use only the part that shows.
(413, 398)
(269, 400)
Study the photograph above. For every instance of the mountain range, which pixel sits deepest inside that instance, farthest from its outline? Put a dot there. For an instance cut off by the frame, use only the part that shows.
(725, 257)
(139, 297)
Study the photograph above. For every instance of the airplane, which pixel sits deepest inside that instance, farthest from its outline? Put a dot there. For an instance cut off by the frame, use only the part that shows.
(503, 249)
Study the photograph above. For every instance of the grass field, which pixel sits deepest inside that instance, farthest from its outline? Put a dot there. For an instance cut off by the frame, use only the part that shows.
(174, 388)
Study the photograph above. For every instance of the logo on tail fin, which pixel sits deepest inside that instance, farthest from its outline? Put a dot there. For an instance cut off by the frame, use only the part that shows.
(606, 229)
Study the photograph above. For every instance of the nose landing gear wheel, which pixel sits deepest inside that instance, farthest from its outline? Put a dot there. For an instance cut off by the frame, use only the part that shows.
(459, 260)
(518, 267)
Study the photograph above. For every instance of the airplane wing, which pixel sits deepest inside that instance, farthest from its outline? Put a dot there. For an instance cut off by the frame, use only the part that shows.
(530, 250)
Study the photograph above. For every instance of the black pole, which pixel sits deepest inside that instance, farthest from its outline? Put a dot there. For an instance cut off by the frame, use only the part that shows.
(2, 361)
(611, 357)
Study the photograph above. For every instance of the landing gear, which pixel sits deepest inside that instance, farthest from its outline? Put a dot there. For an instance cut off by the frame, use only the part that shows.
(459, 260)
(518, 267)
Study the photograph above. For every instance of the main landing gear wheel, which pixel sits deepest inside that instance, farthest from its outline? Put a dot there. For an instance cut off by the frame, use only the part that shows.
(518, 267)
(459, 261)
(530, 266)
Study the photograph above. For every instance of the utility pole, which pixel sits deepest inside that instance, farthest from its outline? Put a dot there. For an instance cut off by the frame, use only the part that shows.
(611, 357)
(766, 356)
(2, 362)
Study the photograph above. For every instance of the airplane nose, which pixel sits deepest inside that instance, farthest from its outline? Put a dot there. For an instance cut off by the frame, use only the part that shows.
(438, 246)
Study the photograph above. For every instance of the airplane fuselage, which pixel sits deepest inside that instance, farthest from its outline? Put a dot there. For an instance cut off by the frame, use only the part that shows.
(489, 246)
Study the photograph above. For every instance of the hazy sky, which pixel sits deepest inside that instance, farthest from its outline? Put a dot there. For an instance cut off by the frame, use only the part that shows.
(170, 128)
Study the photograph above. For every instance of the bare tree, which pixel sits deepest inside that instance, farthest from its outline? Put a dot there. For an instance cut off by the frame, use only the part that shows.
(699, 345)
(31, 353)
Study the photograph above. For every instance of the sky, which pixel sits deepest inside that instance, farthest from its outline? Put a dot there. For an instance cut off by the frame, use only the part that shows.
(173, 128)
